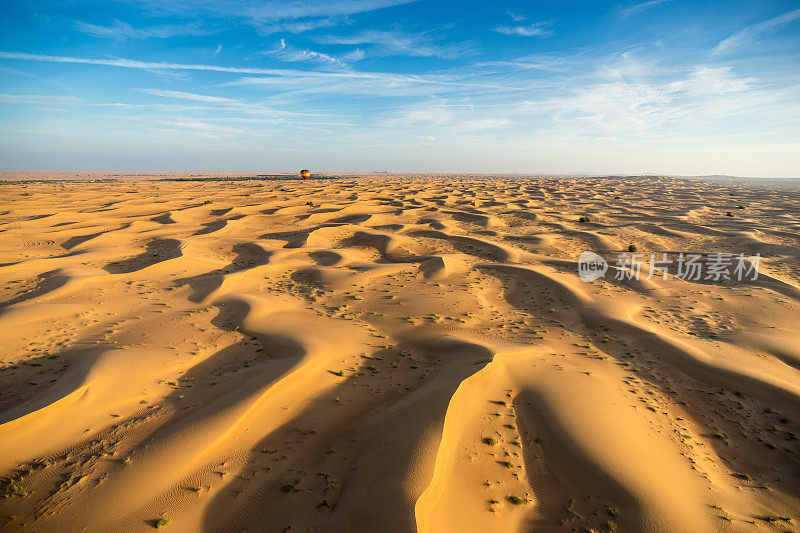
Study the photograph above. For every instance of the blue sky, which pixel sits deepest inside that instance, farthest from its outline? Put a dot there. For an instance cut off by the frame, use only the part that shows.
(661, 86)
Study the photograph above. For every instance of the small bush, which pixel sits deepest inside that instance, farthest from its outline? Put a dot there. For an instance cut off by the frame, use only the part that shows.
(632, 248)
(516, 500)
(490, 441)
(584, 219)
(162, 522)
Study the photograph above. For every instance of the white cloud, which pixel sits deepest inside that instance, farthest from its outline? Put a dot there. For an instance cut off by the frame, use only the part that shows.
(288, 53)
(355, 55)
(300, 26)
(711, 80)
(749, 33)
(122, 31)
(351, 84)
(189, 96)
(545, 62)
(424, 115)
(445, 118)
(191, 124)
(624, 66)
(41, 99)
(636, 8)
(270, 16)
(276, 10)
(398, 43)
(158, 66)
(184, 127)
(276, 75)
(617, 105)
(537, 29)
(709, 94)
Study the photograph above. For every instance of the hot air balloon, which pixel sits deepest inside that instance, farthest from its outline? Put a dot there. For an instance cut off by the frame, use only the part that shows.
(305, 174)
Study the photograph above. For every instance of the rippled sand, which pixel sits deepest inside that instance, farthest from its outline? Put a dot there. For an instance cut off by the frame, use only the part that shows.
(395, 355)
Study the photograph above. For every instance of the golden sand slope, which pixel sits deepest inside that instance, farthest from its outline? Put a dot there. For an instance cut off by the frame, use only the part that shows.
(388, 355)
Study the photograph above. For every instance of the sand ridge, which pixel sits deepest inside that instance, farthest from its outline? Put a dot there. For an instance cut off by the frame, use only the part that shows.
(395, 354)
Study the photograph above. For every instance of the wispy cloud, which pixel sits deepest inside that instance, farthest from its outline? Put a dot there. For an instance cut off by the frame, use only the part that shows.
(395, 42)
(444, 118)
(311, 81)
(41, 99)
(24, 74)
(545, 62)
(711, 93)
(624, 66)
(284, 52)
(121, 31)
(207, 104)
(300, 26)
(749, 33)
(537, 29)
(270, 16)
(706, 80)
(427, 115)
(636, 8)
(350, 83)
(150, 65)
(188, 96)
(195, 127)
(276, 10)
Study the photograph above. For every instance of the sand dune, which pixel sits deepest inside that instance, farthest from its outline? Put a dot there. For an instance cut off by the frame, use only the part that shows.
(387, 354)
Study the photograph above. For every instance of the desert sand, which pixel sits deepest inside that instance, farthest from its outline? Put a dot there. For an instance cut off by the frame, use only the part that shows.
(395, 354)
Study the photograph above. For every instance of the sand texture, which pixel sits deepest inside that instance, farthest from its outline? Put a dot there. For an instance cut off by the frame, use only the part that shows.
(395, 355)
